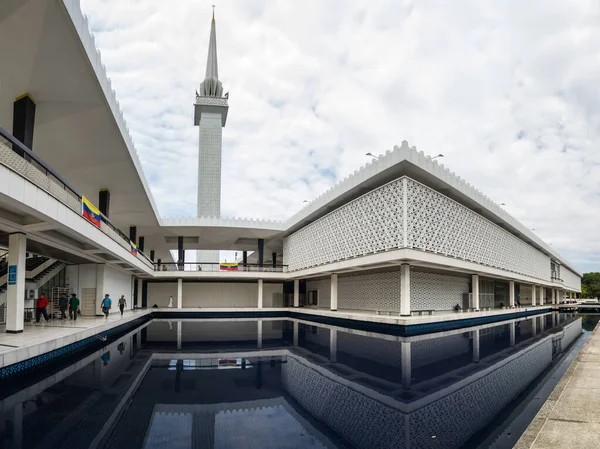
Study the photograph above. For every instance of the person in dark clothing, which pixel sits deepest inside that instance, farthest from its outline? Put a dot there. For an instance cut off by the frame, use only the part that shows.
(122, 304)
(73, 307)
(62, 304)
(40, 310)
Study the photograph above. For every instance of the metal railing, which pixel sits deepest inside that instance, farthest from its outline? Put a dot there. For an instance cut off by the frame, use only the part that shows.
(216, 267)
(57, 186)
(3, 313)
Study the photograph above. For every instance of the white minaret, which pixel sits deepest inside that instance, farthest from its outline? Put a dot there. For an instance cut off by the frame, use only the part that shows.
(210, 115)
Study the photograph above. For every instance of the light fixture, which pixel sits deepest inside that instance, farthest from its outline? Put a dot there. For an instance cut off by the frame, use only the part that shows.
(372, 155)
(439, 155)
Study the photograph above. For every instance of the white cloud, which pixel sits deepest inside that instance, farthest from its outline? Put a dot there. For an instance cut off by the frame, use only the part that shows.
(506, 90)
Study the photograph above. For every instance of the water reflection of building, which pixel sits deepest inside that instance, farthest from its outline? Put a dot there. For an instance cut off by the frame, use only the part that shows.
(70, 407)
(441, 409)
(324, 383)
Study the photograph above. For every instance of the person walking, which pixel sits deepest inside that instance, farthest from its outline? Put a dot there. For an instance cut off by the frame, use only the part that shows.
(40, 310)
(73, 307)
(122, 304)
(106, 304)
(63, 302)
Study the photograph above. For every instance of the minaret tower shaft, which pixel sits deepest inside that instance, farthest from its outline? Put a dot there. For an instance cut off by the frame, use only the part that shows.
(210, 115)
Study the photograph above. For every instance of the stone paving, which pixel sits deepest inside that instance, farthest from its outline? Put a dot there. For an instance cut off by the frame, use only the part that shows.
(570, 417)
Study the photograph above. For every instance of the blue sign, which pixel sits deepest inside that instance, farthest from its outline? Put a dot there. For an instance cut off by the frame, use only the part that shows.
(12, 275)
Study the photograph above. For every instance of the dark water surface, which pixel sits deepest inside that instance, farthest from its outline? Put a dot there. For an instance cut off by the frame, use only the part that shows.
(284, 383)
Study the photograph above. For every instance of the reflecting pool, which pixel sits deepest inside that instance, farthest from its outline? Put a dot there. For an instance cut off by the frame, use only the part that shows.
(283, 383)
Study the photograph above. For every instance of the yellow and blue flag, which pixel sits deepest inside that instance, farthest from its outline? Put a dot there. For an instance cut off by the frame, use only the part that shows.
(228, 267)
(133, 248)
(90, 212)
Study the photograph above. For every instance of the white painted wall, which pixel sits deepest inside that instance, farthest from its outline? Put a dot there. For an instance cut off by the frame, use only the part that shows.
(159, 292)
(213, 294)
(117, 283)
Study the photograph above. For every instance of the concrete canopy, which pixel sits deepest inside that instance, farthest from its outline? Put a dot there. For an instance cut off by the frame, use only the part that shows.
(77, 130)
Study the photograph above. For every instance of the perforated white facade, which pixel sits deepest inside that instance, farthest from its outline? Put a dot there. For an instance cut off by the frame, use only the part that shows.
(407, 214)
(380, 291)
(440, 225)
(369, 224)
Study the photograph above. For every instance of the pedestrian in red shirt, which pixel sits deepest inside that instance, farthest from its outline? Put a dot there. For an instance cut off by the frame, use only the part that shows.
(42, 303)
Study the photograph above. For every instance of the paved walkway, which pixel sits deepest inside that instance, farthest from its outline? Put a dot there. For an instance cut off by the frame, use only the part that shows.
(46, 336)
(570, 418)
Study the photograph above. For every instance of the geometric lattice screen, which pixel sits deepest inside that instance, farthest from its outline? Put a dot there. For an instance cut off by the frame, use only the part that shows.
(440, 225)
(374, 223)
(371, 223)
(381, 291)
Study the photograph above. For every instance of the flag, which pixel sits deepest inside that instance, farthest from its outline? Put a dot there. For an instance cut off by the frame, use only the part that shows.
(227, 96)
(133, 248)
(90, 212)
(228, 267)
(229, 363)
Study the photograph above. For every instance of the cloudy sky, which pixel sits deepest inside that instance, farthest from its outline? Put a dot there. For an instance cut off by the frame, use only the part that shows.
(508, 91)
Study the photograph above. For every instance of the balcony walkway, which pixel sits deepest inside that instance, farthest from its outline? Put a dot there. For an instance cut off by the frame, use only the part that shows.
(569, 418)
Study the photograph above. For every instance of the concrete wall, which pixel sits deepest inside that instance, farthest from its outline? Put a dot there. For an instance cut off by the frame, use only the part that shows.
(213, 294)
(159, 292)
(117, 283)
(103, 279)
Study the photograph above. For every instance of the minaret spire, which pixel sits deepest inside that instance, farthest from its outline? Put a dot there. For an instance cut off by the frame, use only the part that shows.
(211, 86)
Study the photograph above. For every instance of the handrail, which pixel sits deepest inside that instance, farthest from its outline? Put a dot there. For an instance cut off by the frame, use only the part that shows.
(254, 267)
(16, 142)
(30, 154)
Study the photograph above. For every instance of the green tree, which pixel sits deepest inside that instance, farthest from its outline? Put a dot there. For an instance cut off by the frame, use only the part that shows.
(590, 285)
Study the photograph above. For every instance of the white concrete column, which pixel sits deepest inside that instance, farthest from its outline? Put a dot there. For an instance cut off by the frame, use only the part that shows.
(139, 296)
(533, 298)
(542, 295)
(553, 296)
(511, 330)
(406, 363)
(295, 333)
(511, 293)
(259, 334)
(179, 293)
(296, 292)
(100, 292)
(334, 291)
(333, 345)
(405, 289)
(179, 334)
(475, 294)
(476, 346)
(15, 293)
(260, 294)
